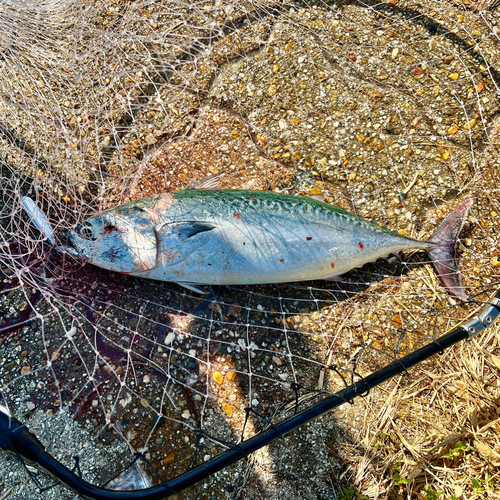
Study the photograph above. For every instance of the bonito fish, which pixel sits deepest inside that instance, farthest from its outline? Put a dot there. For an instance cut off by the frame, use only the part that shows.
(223, 237)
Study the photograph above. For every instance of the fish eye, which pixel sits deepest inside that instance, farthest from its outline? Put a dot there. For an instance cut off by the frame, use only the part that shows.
(86, 231)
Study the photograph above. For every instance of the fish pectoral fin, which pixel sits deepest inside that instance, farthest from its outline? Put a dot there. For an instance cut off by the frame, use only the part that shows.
(188, 229)
(193, 287)
(210, 182)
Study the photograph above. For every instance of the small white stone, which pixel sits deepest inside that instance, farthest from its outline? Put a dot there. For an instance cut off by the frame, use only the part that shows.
(170, 338)
(71, 332)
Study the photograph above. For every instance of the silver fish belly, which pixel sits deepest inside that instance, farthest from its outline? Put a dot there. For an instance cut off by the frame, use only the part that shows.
(240, 237)
(267, 241)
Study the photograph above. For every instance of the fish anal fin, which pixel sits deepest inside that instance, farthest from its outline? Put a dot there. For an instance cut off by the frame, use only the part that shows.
(334, 277)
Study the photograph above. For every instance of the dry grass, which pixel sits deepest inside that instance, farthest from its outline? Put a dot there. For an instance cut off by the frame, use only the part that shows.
(435, 433)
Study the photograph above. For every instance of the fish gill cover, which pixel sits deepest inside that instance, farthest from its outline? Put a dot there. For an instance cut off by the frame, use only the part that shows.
(388, 109)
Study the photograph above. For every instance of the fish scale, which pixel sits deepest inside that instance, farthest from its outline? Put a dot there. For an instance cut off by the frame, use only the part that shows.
(223, 237)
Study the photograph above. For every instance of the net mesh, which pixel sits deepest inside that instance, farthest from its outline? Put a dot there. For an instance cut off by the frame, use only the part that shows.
(387, 109)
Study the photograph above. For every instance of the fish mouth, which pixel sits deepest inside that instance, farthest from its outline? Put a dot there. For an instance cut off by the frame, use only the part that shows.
(66, 246)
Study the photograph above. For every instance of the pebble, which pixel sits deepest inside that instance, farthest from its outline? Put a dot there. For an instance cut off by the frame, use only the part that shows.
(228, 409)
(170, 338)
(471, 124)
(277, 360)
(71, 332)
(26, 370)
(169, 459)
(219, 378)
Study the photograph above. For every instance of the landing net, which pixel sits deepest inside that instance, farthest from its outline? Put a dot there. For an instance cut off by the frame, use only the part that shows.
(389, 110)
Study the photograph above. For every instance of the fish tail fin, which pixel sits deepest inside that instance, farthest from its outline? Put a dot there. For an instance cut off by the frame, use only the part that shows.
(443, 253)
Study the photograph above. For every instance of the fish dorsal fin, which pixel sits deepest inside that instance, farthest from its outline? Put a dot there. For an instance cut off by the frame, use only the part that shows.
(186, 230)
(317, 197)
(210, 182)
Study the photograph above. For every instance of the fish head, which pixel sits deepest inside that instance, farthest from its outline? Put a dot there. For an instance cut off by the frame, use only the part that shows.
(122, 239)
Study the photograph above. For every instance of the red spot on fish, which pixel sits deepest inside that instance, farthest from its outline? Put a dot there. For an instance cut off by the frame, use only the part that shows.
(236, 215)
(110, 228)
(332, 265)
(309, 238)
(361, 245)
(282, 260)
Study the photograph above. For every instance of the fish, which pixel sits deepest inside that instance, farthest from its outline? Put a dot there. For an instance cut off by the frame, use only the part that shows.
(197, 237)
